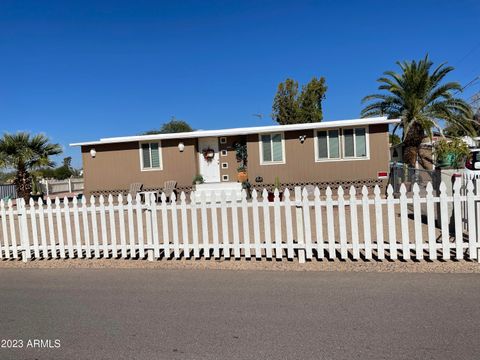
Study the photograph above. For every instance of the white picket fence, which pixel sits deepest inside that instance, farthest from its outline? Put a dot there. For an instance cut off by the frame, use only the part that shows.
(335, 226)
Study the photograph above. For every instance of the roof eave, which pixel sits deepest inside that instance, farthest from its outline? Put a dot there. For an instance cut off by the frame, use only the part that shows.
(242, 131)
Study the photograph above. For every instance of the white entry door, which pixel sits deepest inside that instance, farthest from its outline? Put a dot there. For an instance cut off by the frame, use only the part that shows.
(209, 168)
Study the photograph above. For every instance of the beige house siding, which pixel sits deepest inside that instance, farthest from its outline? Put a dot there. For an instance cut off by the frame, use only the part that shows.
(300, 164)
(116, 166)
(230, 158)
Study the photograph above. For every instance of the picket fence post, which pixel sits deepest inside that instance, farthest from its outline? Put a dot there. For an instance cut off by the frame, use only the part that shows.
(299, 217)
(472, 225)
(477, 218)
(148, 223)
(3, 217)
(354, 223)
(288, 222)
(22, 223)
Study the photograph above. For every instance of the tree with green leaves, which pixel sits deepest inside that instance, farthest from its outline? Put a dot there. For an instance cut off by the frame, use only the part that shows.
(25, 153)
(6, 177)
(285, 103)
(394, 139)
(421, 100)
(453, 130)
(65, 171)
(173, 126)
(292, 107)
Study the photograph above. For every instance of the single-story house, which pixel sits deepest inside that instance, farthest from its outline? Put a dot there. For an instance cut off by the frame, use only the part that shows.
(326, 153)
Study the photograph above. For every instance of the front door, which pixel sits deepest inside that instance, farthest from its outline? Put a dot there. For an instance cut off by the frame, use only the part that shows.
(209, 159)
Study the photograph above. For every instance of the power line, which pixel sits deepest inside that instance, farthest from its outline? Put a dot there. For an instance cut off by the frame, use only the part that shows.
(474, 99)
(468, 54)
(475, 79)
(470, 83)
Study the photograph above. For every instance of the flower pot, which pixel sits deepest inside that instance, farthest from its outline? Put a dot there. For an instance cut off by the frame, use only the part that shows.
(271, 196)
(242, 176)
(408, 185)
(36, 197)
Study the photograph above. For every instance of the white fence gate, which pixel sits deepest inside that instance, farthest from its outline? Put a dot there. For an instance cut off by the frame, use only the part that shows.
(300, 225)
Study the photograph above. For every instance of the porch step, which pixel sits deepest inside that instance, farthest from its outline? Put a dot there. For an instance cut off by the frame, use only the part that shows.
(227, 187)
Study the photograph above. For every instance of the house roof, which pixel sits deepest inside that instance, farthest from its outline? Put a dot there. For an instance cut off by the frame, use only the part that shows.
(243, 131)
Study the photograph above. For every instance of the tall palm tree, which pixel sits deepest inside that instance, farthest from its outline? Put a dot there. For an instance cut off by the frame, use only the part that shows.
(24, 153)
(418, 97)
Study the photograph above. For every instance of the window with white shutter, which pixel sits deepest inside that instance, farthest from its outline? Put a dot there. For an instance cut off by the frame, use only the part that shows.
(151, 156)
(272, 149)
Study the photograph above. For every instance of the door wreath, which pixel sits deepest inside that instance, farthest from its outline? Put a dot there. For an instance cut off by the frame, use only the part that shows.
(208, 154)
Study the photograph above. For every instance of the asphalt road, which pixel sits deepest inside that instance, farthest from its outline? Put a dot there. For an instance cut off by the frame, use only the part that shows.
(167, 314)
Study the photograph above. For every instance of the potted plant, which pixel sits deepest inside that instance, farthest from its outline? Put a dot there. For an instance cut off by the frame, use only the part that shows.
(247, 187)
(241, 152)
(242, 175)
(36, 190)
(271, 194)
(198, 179)
(241, 155)
(451, 154)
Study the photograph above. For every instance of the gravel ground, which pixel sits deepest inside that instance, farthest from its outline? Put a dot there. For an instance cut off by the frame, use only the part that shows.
(260, 265)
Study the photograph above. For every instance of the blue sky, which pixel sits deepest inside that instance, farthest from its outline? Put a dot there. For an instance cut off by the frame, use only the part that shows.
(81, 70)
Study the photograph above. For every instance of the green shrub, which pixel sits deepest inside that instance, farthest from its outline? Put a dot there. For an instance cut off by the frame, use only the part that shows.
(198, 178)
(451, 153)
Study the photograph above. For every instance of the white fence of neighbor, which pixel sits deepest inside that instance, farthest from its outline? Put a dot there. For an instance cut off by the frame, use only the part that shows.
(301, 225)
(8, 191)
(70, 185)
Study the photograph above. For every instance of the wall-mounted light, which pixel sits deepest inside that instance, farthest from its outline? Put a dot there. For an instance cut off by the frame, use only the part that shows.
(93, 153)
(302, 138)
(181, 146)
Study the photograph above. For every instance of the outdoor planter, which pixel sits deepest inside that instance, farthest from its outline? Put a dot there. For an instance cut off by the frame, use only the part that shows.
(242, 176)
(36, 197)
(271, 196)
(408, 185)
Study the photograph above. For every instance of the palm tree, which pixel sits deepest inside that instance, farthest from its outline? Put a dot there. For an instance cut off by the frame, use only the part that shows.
(418, 97)
(24, 153)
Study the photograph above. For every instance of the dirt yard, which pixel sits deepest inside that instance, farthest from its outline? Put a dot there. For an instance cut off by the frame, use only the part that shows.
(262, 265)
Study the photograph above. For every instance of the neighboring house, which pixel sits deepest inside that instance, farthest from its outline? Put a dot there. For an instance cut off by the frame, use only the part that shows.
(426, 158)
(331, 152)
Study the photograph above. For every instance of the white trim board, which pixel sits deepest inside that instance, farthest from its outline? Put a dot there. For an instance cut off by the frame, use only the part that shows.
(245, 130)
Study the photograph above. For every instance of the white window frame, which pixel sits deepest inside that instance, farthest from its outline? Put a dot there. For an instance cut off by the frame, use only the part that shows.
(225, 165)
(142, 168)
(223, 153)
(225, 177)
(367, 144)
(223, 140)
(340, 147)
(284, 155)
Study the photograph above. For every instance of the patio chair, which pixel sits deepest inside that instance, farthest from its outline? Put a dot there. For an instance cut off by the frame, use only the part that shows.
(311, 191)
(169, 188)
(135, 188)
